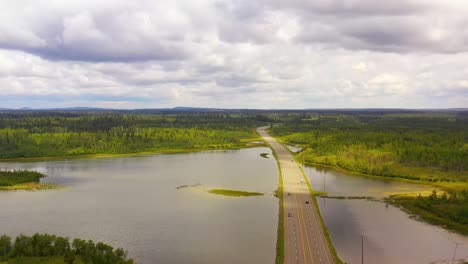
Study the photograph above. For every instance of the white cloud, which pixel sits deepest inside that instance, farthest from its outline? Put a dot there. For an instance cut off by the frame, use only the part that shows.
(261, 54)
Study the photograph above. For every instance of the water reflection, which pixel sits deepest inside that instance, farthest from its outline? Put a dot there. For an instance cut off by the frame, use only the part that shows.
(293, 148)
(390, 235)
(133, 203)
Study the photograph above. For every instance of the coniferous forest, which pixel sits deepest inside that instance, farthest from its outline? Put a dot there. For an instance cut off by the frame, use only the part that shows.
(56, 134)
(419, 146)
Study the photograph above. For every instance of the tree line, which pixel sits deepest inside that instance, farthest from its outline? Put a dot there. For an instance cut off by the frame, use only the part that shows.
(46, 245)
(43, 134)
(392, 145)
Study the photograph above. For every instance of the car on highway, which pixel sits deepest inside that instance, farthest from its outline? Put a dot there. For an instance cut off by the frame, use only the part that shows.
(289, 215)
(307, 202)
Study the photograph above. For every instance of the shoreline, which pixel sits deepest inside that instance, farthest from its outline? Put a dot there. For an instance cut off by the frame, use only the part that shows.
(31, 186)
(123, 155)
(404, 203)
(442, 185)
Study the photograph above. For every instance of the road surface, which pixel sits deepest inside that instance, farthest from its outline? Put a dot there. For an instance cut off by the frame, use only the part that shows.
(304, 240)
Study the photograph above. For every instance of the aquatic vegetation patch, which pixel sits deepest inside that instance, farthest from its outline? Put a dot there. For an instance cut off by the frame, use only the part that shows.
(234, 193)
(187, 186)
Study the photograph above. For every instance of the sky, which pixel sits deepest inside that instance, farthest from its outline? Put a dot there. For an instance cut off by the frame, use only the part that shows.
(263, 54)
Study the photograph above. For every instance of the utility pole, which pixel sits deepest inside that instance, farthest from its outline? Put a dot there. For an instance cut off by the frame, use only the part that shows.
(324, 182)
(455, 251)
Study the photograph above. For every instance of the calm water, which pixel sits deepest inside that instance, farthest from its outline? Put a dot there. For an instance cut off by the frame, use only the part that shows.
(293, 148)
(390, 235)
(133, 203)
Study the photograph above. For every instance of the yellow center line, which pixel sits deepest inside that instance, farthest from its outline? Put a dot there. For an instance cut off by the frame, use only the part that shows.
(300, 229)
(305, 228)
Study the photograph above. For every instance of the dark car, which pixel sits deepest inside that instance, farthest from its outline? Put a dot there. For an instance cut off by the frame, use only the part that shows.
(289, 215)
(307, 202)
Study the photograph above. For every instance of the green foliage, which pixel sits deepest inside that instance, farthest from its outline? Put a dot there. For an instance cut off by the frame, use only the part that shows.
(11, 178)
(56, 134)
(46, 246)
(424, 146)
(449, 209)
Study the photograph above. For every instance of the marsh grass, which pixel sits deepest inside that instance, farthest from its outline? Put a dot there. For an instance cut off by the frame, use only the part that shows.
(31, 186)
(234, 193)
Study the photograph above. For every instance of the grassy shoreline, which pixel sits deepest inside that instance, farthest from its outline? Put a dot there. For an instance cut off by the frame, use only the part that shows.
(280, 230)
(406, 203)
(441, 185)
(31, 186)
(134, 154)
(459, 185)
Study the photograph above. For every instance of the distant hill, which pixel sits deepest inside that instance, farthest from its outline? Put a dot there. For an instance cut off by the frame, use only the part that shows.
(179, 109)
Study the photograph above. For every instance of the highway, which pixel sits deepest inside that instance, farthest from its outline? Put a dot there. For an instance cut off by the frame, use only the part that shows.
(304, 239)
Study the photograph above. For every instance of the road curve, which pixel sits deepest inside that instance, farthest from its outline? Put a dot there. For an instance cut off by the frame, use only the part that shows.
(304, 240)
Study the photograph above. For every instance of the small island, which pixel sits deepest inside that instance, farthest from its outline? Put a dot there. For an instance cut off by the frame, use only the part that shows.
(22, 180)
(234, 193)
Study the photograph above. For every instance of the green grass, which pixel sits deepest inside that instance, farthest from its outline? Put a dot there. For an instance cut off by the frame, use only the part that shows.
(280, 232)
(30, 186)
(234, 193)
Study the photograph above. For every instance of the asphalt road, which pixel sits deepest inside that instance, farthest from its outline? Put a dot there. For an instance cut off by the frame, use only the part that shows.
(304, 240)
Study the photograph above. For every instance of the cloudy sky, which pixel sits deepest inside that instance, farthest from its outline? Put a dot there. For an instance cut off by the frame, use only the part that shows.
(234, 53)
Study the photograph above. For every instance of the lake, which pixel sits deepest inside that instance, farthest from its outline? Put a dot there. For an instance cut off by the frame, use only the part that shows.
(389, 234)
(134, 203)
